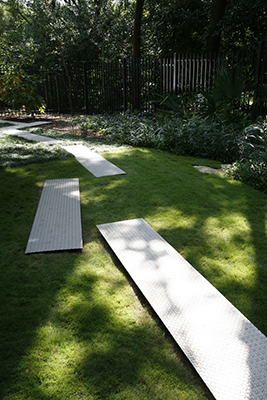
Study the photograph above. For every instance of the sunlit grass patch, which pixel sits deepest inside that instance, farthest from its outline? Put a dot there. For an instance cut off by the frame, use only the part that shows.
(73, 325)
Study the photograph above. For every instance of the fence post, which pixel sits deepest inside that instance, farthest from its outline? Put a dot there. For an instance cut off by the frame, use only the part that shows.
(257, 79)
(58, 95)
(174, 86)
(124, 77)
(136, 101)
(85, 88)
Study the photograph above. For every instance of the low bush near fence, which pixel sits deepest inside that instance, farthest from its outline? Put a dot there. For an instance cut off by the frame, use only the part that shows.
(215, 139)
(251, 167)
(196, 136)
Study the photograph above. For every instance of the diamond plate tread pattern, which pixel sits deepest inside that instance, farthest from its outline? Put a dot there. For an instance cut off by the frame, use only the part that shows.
(16, 124)
(57, 222)
(93, 162)
(227, 350)
(32, 136)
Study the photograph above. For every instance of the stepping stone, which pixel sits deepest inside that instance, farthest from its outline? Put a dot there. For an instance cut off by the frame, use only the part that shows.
(225, 348)
(57, 223)
(209, 170)
(93, 162)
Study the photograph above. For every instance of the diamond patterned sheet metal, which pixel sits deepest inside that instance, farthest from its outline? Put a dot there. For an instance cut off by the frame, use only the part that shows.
(93, 162)
(22, 124)
(15, 131)
(57, 223)
(32, 136)
(227, 350)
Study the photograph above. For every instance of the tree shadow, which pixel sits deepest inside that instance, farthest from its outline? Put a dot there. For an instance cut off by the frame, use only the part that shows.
(202, 198)
(62, 328)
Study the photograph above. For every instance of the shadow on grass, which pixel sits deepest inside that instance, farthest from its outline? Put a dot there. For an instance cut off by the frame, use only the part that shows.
(28, 284)
(15, 152)
(71, 327)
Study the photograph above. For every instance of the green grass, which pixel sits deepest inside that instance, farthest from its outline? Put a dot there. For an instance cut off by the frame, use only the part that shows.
(5, 124)
(73, 325)
(15, 151)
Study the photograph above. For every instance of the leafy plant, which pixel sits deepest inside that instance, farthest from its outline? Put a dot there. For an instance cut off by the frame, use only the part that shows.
(225, 98)
(19, 91)
(174, 103)
(251, 168)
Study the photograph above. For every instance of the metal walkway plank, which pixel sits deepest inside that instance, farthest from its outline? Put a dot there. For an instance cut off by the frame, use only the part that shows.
(227, 350)
(57, 223)
(19, 125)
(93, 162)
(32, 136)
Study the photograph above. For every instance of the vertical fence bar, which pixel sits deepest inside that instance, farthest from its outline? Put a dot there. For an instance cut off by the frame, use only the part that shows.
(174, 85)
(193, 72)
(179, 73)
(186, 74)
(85, 88)
(190, 78)
(182, 73)
(103, 87)
(167, 75)
(124, 84)
(257, 75)
(170, 75)
(264, 66)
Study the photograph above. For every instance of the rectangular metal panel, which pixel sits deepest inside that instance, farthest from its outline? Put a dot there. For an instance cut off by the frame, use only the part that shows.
(93, 162)
(227, 350)
(32, 136)
(20, 125)
(57, 223)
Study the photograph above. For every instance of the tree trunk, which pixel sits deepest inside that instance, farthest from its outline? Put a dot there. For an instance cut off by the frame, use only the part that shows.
(137, 53)
(214, 37)
(137, 28)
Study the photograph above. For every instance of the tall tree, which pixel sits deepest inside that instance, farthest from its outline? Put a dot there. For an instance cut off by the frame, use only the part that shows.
(175, 26)
(137, 28)
(214, 36)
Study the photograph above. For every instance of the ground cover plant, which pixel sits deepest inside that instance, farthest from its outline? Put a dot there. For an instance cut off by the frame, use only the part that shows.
(215, 138)
(15, 151)
(73, 325)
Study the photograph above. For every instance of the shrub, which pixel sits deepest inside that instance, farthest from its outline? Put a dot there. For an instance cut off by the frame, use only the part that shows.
(226, 96)
(205, 138)
(19, 91)
(212, 138)
(251, 168)
(195, 136)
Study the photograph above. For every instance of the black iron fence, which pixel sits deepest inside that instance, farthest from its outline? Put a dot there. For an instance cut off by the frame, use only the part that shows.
(106, 87)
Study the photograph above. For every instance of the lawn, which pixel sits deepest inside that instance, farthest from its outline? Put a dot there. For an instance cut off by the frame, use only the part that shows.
(73, 325)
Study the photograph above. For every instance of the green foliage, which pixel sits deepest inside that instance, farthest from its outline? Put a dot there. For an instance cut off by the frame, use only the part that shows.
(195, 136)
(175, 26)
(225, 97)
(174, 103)
(243, 25)
(19, 91)
(251, 168)
(253, 172)
(213, 138)
(33, 32)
